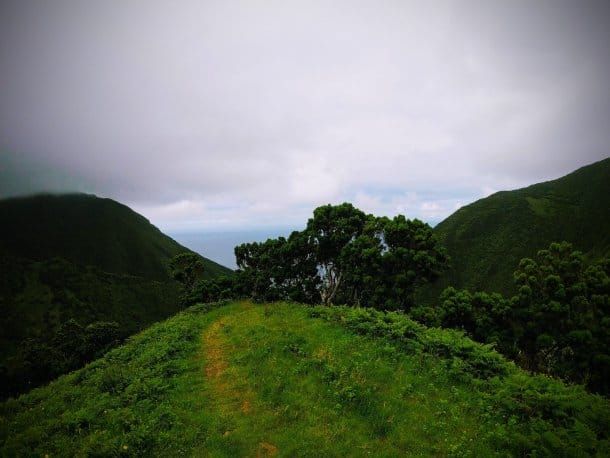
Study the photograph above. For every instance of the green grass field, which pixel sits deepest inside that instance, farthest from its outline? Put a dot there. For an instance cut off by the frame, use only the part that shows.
(288, 380)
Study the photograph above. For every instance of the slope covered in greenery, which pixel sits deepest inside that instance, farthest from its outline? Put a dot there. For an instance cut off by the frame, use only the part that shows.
(88, 230)
(487, 238)
(286, 380)
(40, 295)
(76, 257)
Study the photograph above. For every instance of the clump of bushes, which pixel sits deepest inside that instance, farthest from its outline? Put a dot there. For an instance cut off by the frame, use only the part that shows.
(557, 324)
(71, 346)
(477, 360)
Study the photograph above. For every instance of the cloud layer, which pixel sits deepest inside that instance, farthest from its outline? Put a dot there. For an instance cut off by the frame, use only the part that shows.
(229, 114)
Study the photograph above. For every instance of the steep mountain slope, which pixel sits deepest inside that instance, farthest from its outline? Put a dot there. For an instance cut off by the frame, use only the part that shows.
(88, 230)
(288, 380)
(76, 257)
(487, 238)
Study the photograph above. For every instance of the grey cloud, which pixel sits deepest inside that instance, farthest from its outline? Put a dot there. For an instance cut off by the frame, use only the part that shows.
(229, 113)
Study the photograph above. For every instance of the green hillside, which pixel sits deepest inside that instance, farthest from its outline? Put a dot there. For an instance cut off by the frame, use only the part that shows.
(37, 296)
(290, 380)
(487, 238)
(88, 230)
(76, 256)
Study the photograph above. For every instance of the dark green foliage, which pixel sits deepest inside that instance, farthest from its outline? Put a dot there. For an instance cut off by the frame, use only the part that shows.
(80, 257)
(558, 323)
(42, 359)
(188, 269)
(343, 256)
(387, 263)
(487, 238)
(563, 309)
(486, 317)
(38, 299)
(88, 230)
(217, 289)
(278, 269)
(331, 230)
(99, 337)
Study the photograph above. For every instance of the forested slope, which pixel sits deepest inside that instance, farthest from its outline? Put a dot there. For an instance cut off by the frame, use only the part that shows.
(77, 257)
(487, 238)
(88, 230)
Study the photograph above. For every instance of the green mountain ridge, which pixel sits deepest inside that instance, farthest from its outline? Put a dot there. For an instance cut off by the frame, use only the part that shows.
(282, 379)
(486, 239)
(88, 230)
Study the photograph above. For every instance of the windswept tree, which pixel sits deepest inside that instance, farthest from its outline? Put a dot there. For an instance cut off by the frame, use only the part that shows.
(345, 256)
(330, 231)
(410, 256)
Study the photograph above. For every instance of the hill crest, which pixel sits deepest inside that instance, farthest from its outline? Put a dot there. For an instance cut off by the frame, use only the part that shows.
(487, 238)
(89, 230)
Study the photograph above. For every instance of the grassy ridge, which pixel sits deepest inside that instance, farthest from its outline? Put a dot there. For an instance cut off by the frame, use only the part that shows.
(487, 238)
(286, 379)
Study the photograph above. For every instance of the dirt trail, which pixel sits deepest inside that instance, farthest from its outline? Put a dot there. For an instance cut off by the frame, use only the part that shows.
(230, 398)
(216, 363)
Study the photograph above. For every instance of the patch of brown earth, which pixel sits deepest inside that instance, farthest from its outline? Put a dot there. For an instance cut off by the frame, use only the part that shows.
(266, 449)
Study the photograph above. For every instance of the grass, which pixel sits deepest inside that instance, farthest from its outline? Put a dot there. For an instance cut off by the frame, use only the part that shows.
(289, 380)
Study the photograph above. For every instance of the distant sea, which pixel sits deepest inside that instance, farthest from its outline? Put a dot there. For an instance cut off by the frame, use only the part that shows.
(219, 246)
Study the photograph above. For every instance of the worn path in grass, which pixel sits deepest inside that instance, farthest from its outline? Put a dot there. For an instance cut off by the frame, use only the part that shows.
(273, 380)
(229, 398)
(277, 382)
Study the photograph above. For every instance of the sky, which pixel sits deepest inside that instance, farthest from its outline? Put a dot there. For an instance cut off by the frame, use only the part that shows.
(225, 116)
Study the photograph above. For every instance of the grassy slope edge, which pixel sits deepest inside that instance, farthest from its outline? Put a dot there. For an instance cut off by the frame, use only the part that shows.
(246, 379)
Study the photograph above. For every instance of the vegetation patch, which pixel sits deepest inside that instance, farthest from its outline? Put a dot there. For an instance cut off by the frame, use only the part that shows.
(538, 414)
(285, 379)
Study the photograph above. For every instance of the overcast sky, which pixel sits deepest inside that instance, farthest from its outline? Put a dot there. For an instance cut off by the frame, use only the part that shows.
(227, 115)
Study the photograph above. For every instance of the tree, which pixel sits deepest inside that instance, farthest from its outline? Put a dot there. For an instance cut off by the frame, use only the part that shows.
(330, 230)
(100, 336)
(187, 268)
(261, 267)
(344, 255)
(558, 323)
(213, 290)
(277, 269)
(70, 341)
(411, 256)
(562, 307)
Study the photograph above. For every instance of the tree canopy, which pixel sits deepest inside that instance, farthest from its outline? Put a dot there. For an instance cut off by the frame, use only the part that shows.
(558, 323)
(344, 255)
(187, 268)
